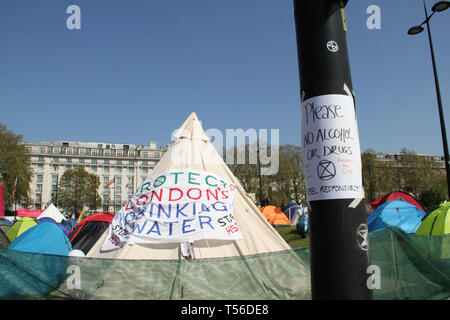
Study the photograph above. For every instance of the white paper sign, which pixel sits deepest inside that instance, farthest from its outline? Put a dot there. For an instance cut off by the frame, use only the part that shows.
(330, 148)
(176, 206)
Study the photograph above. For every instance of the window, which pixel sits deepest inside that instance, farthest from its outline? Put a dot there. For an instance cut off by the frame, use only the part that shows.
(40, 167)
(106, 169)
(39, 188)
(131, 153)
(130, 170)
(94, 152)
(145, 162)
(54, 179)
(82, 151)
(119, 162)
(38, 197)
(117, 199)
(69, 160)
(118, 170)
(119, 180)
(131, 162)
(57, 150)
(41, 159)
(69, 151)
(81, 161)
(105, 180)
(55, 167)
(39, 178)
(118, 189)
(130, 190)
(93, 169)
(119, 153)
(105, 198)
(41, 150)
(55, 160)
(106, 161)
(107, 153)
(94, 161)
(145, 154)
(156, 155)
(144, 170)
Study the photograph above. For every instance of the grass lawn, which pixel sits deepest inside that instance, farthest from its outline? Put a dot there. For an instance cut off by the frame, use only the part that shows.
(292, 237)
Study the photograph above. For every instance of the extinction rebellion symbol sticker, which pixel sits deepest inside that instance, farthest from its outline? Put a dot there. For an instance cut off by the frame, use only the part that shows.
(332, 46)
(326, 170)
(363, 235)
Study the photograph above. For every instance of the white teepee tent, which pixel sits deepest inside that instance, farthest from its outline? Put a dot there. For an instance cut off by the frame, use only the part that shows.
(53, 213)
(192, 149)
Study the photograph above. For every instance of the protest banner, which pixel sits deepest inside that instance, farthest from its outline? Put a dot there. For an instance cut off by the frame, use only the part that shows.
(176, 206)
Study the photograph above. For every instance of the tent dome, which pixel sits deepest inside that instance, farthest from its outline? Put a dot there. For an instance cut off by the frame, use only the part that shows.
(86, 233)
(19, 227)
(46, 238)
(396, 213)
(437, 222)
(396, 195)
(274, 215)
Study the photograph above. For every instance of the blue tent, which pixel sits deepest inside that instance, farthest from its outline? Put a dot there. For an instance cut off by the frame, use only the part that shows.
(290, 209)
(45, 238)
(6, 221)
(396, 213)
(64, 226)
(302, 223)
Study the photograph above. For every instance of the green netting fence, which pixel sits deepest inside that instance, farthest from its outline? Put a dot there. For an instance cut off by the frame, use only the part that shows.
(410, 267)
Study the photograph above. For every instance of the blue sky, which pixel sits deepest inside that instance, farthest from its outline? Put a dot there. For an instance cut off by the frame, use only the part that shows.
(137, 69)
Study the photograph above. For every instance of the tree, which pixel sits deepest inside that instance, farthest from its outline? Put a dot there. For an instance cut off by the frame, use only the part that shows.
(285, 186)
(406, 171)
(79, 188)
(15, 171)
(293, 171)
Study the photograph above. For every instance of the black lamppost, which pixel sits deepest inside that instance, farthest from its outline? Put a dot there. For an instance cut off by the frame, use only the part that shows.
(339, 244)
(439, 6)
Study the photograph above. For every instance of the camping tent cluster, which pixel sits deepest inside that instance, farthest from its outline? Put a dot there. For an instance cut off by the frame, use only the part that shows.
(400, 209)
(191, 217)
(289, 215)
(44, 234)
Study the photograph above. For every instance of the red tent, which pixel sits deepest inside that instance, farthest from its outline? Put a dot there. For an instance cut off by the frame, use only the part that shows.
(86, 233)
(397, 195)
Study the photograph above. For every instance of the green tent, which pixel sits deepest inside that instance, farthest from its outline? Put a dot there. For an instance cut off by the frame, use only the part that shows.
(20, 226)
(437, 222)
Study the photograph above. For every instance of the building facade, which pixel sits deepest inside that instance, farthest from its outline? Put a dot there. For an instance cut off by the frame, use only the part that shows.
(120, 167)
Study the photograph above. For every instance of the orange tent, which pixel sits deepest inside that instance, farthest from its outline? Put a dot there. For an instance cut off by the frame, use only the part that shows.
(275, 215)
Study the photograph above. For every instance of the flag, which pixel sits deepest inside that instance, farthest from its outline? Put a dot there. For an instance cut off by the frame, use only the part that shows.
(110, 182)
(14, 189)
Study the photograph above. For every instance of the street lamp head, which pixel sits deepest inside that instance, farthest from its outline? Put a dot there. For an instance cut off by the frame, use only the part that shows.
(441, 6)
(415, 30)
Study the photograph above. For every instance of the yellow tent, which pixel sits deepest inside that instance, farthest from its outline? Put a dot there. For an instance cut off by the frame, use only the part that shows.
(19, 227)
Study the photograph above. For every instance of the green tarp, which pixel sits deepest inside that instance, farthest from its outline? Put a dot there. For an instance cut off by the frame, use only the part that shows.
(410, 267)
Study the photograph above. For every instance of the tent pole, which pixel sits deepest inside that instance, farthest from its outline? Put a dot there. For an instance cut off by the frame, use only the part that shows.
(333, 175)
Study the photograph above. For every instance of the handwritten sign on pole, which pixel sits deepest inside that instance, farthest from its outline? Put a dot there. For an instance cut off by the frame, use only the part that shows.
(176, 206)
(330, 148)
